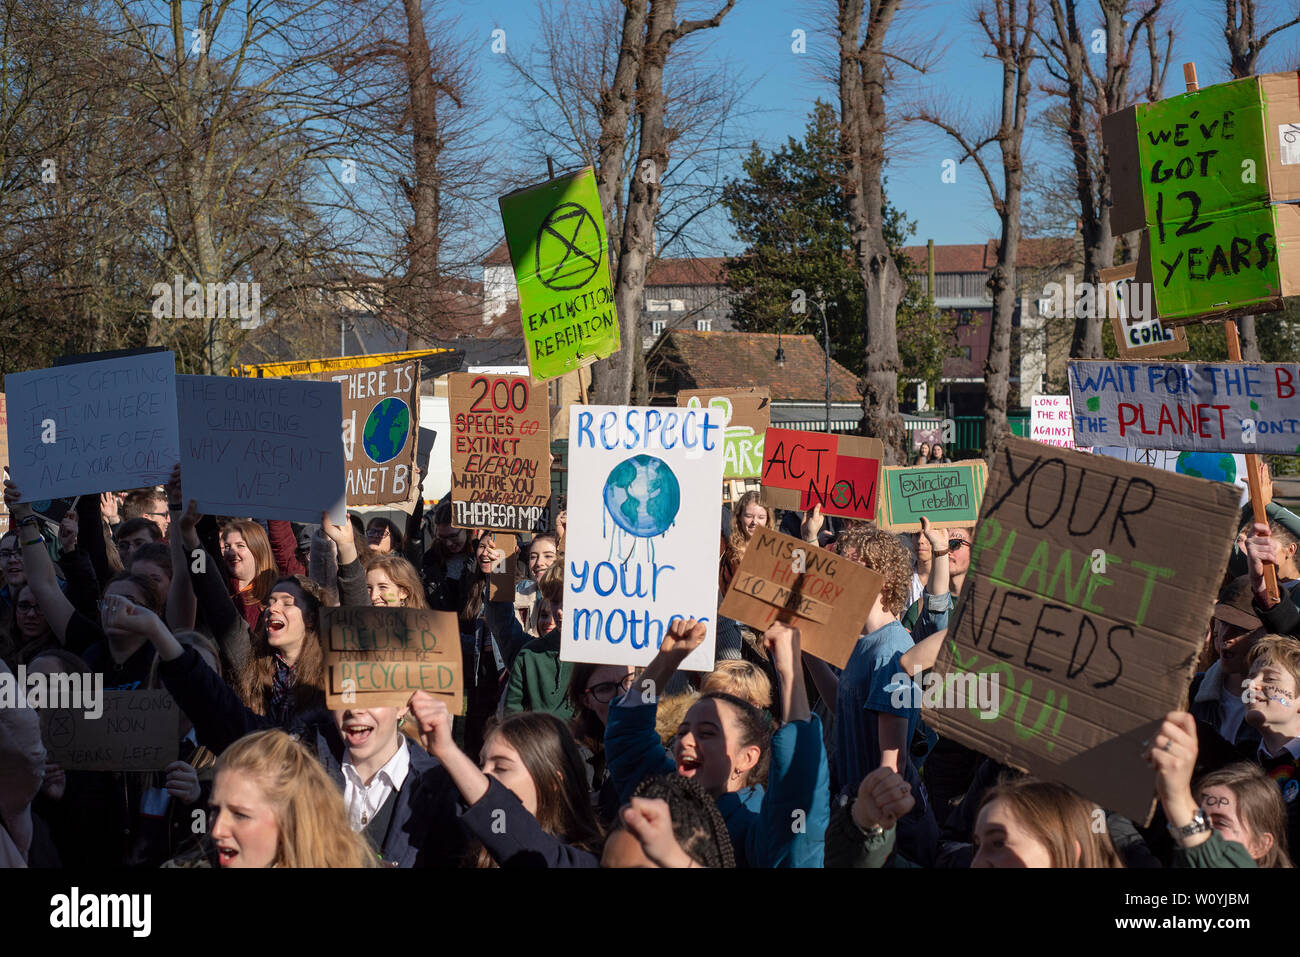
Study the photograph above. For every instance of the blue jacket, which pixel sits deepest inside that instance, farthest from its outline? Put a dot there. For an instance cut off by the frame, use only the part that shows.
(762, 824)
(514, 838)
(422, 832)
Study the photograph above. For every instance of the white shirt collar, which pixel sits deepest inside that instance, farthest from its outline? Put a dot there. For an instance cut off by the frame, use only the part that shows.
(364, 800)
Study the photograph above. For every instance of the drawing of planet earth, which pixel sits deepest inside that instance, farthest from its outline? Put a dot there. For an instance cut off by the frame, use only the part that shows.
(387, 427)
(1218, 466)
(643, 496)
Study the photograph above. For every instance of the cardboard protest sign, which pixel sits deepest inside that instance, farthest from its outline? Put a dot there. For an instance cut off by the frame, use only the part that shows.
(643, 539)
(379, 656)
(1215, 466)
(746, 413)
(825, 596)
(500, 452)
(948, 495)
(381, 415)
(839, 472)
(1199, 172)
(262, 448)
(1139, 333)
(1050, 421)
(92, 427)
(1090, 586)
(1187, 406)
(556, 234)
(138, 731)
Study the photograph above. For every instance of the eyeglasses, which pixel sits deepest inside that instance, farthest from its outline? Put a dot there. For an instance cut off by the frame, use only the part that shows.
(156, 514)
(7, 554)
(606, 691)
(27, 607)
(957, 543)
(379, 533)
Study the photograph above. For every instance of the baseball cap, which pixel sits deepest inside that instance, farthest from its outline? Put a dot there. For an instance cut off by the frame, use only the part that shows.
(1236, 605)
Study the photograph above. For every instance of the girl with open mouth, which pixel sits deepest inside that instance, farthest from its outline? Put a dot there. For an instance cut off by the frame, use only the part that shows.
(724, 744)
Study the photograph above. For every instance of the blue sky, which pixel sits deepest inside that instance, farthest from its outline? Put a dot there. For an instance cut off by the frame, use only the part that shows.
(755, 40)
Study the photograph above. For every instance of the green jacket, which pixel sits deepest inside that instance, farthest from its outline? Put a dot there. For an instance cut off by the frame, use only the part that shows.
(847, 845)
(539, 679)
(1216, 852)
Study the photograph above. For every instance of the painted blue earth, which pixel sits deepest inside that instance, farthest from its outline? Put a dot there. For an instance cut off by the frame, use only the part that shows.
(643, 496)
(387, 427)
(1217, 466)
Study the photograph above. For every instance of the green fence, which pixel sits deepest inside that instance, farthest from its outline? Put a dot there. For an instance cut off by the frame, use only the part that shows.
(970, 429)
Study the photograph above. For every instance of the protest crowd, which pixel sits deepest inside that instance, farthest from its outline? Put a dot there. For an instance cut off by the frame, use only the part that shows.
(770, 758)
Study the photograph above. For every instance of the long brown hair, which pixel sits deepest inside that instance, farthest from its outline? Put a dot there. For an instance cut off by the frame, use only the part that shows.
(257, 676)
(1260, 808)
(737, 541)
(559, 774)
(1059, 819)
(402, 574)
(260, 546)
(309, 809)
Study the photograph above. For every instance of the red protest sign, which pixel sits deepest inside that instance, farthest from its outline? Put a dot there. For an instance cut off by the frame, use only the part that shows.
(838, 472)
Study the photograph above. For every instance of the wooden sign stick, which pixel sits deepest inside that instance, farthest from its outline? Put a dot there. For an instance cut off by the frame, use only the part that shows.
(1189, 77)
(1253, 480)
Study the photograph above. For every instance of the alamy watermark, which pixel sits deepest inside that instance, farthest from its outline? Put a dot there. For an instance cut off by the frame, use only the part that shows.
(72, 692)
(980, 691)
(213, 300)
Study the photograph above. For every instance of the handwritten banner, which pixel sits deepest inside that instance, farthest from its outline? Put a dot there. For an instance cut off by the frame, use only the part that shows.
(642, 543)
(948, 496)
(262, 448)
(378, 657)
(838, 472)
(1085, 614)
(138, 731)
(1050, 421)
(1187, 406)
(93, 426)
(1203, 168)
(747, 413)
(556, 234)
(381, 415)
(825, 596)
(1138, 332)
(500, 453)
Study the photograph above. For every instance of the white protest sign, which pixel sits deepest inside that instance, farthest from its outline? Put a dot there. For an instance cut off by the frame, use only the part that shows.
(92, 426)
(645, 487)
(1050, 421)
(262, 448)
(1216, 466)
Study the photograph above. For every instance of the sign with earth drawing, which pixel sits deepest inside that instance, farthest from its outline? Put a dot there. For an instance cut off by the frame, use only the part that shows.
(381, 411)
(642, 542)
(558, 248)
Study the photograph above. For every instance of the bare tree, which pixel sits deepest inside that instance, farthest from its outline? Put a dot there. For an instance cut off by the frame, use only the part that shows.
(1088, 97)
(862, 81)
(1009, 26)
(1244, 48)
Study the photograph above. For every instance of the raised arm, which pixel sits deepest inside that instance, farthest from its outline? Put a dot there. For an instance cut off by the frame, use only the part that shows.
(284, 547)
(782, 645)
(182, 606)
(38, 565)
(351, 577)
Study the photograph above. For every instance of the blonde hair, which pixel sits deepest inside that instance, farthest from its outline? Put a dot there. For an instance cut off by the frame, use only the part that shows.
(1260, 808)
(742, 679)
(883, 552)
(1278, 650)
(670, 713)
(1060, 819)
(402, 574)
(309, 811)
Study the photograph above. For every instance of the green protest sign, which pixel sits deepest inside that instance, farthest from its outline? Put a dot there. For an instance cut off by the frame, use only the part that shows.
(1205, 193)
(948, 495)
(556, 235)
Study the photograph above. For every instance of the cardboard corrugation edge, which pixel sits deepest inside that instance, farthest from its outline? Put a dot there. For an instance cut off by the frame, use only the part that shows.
(1120, 139)
(1280, 93)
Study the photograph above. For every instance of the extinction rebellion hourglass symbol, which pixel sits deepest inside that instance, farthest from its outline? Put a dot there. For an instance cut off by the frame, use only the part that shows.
(561, 262)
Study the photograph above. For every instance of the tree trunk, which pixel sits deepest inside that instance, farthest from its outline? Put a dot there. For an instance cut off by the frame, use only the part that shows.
(611, 377)
(423, 195)
(862, 114)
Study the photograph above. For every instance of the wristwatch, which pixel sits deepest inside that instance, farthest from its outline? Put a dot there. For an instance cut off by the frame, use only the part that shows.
(1200, 824)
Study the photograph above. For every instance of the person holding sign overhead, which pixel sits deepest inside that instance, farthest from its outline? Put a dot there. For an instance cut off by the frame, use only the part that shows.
(723, 742)
(395, 794)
